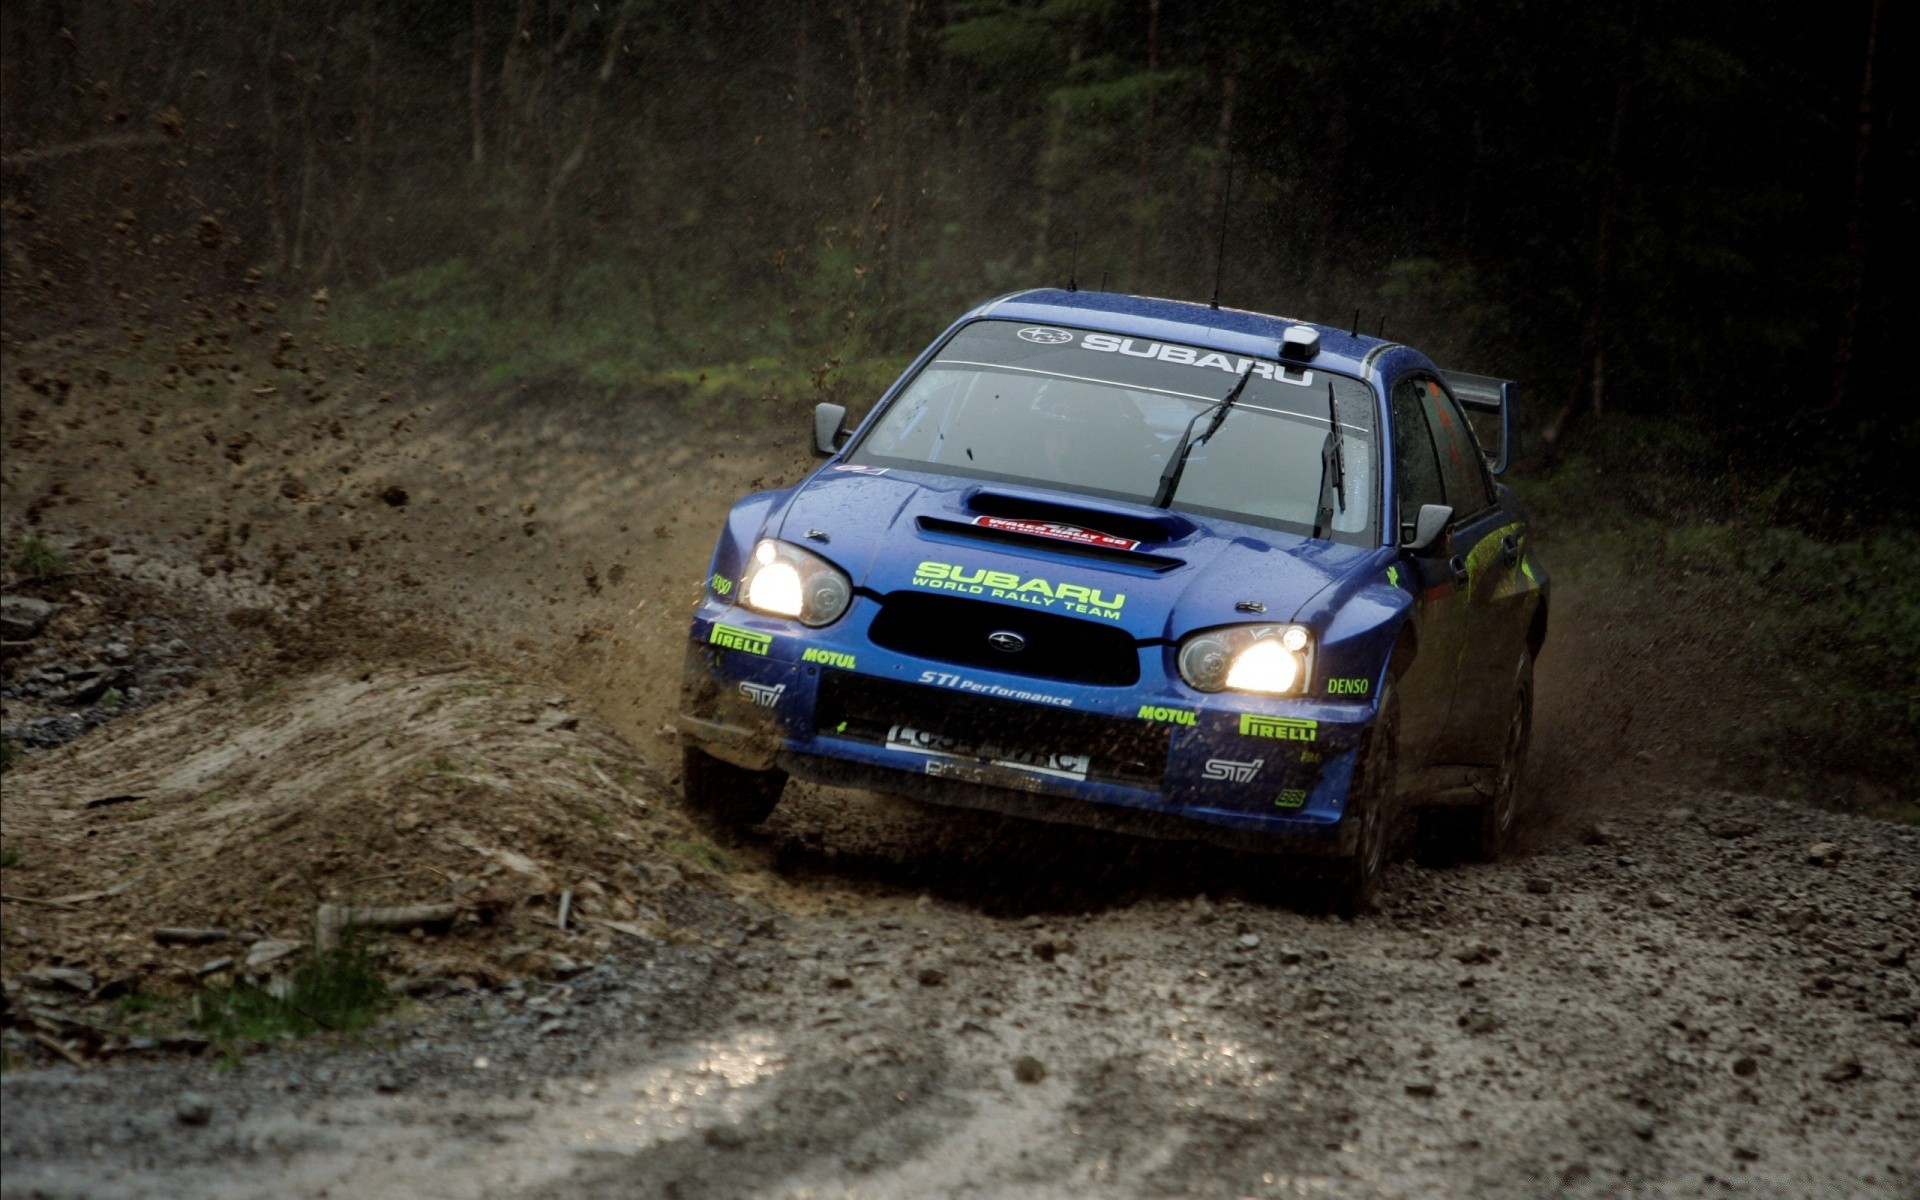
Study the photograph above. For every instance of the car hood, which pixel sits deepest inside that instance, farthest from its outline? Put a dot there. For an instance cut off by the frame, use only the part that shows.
(897, 531)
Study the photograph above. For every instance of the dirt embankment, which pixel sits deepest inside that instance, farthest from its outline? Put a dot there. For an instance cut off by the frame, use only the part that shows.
(1676, 991)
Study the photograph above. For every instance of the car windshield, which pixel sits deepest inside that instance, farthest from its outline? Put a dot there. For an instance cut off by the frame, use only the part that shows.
(1101, 414)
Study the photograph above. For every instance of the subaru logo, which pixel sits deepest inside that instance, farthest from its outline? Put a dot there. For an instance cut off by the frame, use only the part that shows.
(1006, 641)
(1046, 337)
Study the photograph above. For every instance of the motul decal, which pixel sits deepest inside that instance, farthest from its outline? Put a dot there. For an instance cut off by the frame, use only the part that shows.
(1058, 532)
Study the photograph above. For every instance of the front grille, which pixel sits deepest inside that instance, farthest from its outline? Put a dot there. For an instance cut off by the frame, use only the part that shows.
(951, 629)
(866, 709)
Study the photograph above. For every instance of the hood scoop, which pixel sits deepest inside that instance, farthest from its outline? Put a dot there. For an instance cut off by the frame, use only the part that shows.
(1085, 532)
(1130, 526)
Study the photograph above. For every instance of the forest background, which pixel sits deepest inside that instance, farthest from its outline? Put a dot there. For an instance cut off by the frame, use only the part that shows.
(1680, 227)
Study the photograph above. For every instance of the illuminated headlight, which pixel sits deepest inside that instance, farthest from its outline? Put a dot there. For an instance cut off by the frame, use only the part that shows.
(1270, 660)
(786, 581)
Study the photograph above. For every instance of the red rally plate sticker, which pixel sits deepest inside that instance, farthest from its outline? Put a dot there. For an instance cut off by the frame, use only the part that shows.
(1058, 532)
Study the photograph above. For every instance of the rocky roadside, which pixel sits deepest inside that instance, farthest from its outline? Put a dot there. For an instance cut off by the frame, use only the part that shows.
(1713, 995)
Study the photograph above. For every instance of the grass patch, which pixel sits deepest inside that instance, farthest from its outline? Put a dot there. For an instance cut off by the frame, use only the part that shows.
(9, 855)
(333, 993)
(1825, 623)
(37, 558)
(701, 854)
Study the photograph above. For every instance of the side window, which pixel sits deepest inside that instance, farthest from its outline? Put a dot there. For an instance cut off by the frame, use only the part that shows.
(1461, 468)
(1416, 469)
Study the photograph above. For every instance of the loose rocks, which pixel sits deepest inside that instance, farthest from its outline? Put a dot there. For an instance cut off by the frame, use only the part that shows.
(1028, 1069)
(191, 1108)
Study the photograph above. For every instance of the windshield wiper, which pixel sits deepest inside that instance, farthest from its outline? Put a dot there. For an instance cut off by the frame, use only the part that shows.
(1333, 469)
(1170, 478)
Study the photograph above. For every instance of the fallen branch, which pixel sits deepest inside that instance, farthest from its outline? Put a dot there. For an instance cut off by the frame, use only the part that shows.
(59, 1047)
(331, 920)
(12, 899)
(111, 141)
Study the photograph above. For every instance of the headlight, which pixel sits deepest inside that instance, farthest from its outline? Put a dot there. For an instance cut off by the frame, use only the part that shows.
(1272, 660)
(786, 581)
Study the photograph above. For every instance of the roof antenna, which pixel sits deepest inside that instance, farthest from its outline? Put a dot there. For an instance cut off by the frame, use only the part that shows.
(1073, 271)
(1220, 253)
(1382, 331)
(1103, 279)
(1356, 324)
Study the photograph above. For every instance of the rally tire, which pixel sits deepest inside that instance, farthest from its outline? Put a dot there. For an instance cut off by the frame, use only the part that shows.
(1373, 806)
(1492, 833)
(728, 796)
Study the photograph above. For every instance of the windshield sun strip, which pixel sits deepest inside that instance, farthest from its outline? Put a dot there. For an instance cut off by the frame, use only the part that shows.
(1313, 417)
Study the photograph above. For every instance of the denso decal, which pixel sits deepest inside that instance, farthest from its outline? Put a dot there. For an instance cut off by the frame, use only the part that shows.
(1286, 729)
(1005, 585)
(1231, 769)
(1188, 356)
(1171, 716)
(732, 637)
(832, 658)
(1057, 531)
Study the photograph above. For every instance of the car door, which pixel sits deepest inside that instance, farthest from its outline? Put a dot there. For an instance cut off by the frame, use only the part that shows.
(1439, 608)
(1482, 555)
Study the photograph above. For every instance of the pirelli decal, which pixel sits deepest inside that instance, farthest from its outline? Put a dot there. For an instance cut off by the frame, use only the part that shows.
(732, 637)
(1285, 729)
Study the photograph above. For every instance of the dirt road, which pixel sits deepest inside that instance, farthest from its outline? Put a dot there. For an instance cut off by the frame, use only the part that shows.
(1673, 991)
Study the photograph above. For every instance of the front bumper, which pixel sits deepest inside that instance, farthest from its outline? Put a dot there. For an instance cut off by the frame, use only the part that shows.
(1156, 759)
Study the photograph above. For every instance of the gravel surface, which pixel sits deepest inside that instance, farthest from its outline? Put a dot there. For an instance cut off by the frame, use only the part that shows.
(1692, 1001)
(1696, 994)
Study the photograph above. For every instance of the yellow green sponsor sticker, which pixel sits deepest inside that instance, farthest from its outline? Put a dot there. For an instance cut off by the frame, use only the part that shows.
(732, 637)
(1286, 729)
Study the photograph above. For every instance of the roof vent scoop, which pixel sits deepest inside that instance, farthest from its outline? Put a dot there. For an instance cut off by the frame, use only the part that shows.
(1300, 343)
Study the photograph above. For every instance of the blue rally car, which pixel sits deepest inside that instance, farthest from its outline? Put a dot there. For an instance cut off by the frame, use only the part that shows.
(1145, 565)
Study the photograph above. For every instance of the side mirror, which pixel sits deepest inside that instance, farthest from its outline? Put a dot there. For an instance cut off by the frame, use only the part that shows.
(829, 428)
(1427, 530)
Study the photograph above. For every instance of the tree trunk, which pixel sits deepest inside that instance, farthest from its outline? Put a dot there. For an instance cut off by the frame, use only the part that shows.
(549, 213)
(1590, 363)
(1143, 222)
(1219, 179)
(1856, 281)
(476, 109)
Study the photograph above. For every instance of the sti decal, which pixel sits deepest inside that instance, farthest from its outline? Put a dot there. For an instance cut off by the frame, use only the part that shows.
(1171, 716)
(732, 637)
(1005, 585)
(1286, 729)
(962, 683)
(765, 695)
(1227, 768)
(832, 658)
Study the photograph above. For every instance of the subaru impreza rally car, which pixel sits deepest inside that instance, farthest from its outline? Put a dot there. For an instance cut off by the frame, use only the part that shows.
(1145, 565)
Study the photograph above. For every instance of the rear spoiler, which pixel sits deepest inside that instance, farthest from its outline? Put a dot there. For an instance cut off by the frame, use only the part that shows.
(1485, 394)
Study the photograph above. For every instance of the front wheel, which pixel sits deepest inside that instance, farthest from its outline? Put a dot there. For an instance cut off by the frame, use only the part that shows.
(1373, 807)
(729, 796)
